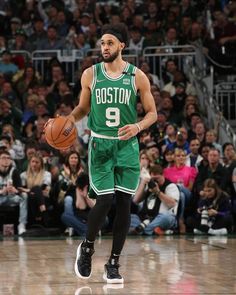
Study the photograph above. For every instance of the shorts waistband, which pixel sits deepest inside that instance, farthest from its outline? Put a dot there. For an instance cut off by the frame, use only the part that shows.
(103, 136)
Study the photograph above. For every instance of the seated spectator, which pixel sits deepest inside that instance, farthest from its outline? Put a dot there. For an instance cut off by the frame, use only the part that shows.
(189, 109)
(211, 138)
(214, 169)
(26, 80)
(160, 205)
(184, 176)
(16, 144)
(179, 77)
(180, 141)
(153, 153)
(52, 42)
(77, 205)
(7, 67)
(158, 129)
(9, 114)
(152, 78)
(71, 169)
(213, 215)
(10, 189)
(194, 158)
(168, 158)
(171, 67)
(203, 151)
(37, 184)
(200, 132)
(169, 137)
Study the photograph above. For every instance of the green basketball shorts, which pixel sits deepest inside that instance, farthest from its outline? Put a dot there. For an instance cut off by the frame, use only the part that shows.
(113, 165)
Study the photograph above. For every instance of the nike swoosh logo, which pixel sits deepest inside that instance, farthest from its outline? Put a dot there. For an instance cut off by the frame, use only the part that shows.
(101, 80)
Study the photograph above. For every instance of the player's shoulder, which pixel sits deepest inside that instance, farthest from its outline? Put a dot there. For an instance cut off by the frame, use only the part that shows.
(87, 74)
(140, 76)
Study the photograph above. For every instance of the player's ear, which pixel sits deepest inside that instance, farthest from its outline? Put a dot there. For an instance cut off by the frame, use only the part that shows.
(122, 45)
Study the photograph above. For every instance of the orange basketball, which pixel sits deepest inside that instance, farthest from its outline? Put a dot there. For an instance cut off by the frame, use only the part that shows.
(60, 133)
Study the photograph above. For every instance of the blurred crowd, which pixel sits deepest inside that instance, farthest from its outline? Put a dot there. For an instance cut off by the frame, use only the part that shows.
(179, 154)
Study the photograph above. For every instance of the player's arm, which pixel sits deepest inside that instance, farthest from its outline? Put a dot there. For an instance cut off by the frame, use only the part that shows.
(83, 108)
(143, 86)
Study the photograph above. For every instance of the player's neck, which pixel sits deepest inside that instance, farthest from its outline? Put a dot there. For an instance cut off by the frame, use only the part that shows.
(116, 67)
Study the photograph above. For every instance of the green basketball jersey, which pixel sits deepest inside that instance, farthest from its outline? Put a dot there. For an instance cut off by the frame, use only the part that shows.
(113, 100)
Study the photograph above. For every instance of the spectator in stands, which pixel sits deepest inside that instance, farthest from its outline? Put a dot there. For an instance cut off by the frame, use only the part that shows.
(26, 80)
(153, 33)
(152, 78)
(10, 189)
(30, 150)
(136, 40)
(160, 204)
(168, 158)
(170, 41)
(39, 34)
(10, 114)
(20, 41)
(85, 21)
(186, 9)
(80, 43)
(185, 177)
(194, 158)
(214, 169)
(189, 109)
(211, 138)
(52, 42)
(213, 215)
(77, 205)
(225, 37)
(16, 144)
(179, 77)
(3, 44)
(61, 23)
(7, 92)
(181, 141)
(171, 67)
(5, 142)
(15, 24)
(203, 151)
(37, 183)
(7, 67)
(153, 153)
(168, 109)
(158, 129)
(194, 119)
(169, 137)
(200, 132)
(180, 173)
(179, 97)
(126, 16)
(71, 169)
(29, 108)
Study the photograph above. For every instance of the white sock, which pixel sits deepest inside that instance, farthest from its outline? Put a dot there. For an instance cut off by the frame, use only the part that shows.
(218, 232)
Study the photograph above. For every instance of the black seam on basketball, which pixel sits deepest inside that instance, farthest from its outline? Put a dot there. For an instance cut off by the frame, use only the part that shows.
(61, 129)
(66, 138)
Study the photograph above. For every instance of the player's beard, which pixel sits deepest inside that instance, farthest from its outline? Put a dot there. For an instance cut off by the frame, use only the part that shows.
(112, 57)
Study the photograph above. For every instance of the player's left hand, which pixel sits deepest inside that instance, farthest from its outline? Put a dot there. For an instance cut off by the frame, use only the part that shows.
(128, 131)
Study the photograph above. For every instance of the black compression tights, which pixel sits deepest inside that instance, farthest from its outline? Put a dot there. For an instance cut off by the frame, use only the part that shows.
(121, 223)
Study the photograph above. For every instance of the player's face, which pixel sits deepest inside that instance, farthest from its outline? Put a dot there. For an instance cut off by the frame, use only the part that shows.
(111, 48)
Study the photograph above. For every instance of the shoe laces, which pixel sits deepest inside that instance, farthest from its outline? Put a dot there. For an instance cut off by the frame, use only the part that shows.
(113, 269)
(86, 257)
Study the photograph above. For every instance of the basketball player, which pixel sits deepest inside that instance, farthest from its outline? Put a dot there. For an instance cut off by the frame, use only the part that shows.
(109, 95)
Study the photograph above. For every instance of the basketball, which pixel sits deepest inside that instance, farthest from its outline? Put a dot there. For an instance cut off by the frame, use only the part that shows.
(60, 132)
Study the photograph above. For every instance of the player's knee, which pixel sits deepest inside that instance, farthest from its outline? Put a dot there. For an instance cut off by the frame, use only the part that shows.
(104, 200)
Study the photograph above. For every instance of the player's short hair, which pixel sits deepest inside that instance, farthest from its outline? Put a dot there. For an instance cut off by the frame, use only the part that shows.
(118, 30)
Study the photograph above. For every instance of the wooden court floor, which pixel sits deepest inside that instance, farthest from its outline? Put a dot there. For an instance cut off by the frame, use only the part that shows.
(160, 265)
